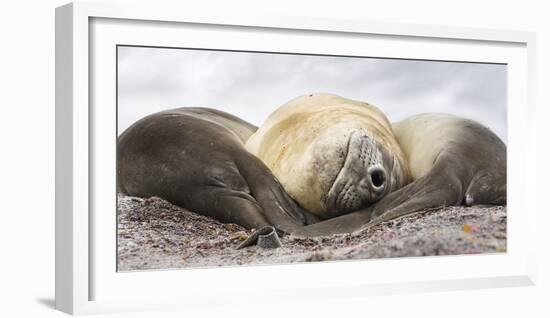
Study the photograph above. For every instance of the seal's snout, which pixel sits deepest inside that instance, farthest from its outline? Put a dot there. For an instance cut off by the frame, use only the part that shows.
(363, 178)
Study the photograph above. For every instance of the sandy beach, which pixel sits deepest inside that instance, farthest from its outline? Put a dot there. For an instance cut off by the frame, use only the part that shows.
(154, 234)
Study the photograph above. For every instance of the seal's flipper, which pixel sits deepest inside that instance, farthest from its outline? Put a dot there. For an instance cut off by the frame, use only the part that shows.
(279, 208)
(487, 188)
(230, 206)
(266, 237)
(440, 187)
(413, 205)
(347, 223)
(414, 197)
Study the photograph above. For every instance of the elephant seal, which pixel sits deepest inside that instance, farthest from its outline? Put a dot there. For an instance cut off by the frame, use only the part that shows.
(331, 154)
(452, 160)
(195, 158)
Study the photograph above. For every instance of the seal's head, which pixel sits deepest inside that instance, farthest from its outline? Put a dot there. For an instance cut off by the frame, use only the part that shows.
(332, 155)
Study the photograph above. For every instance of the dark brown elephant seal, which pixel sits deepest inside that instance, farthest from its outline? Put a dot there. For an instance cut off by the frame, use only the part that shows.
(195, 158)
(453, 161)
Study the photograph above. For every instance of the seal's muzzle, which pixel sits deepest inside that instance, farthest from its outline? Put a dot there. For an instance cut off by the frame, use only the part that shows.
(363, 179)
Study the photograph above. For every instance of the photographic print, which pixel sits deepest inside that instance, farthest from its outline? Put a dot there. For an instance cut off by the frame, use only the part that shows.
(229, 158)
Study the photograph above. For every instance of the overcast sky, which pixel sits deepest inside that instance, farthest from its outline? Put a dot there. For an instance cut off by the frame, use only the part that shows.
(252, 85)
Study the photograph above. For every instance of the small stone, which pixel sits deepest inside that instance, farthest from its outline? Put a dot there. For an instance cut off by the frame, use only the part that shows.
(319, 256)
(240, 236)
(388, 236)
(204, 245)
(132, 244)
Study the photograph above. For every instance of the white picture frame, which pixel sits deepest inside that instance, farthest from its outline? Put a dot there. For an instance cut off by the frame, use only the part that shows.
(86, 279)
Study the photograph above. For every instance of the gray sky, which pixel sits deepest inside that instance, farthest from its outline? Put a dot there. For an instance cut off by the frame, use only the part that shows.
(252, 85)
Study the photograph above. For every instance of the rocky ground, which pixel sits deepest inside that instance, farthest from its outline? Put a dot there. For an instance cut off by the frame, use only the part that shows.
(154, 234)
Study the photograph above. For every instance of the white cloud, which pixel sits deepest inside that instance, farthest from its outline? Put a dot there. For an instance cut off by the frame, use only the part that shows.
(252, 85)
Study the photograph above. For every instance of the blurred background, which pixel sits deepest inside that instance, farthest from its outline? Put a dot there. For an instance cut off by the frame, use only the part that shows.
(251, 85)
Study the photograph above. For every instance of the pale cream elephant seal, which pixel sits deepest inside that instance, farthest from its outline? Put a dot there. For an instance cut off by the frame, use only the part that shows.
(331, 154)
(452, 160)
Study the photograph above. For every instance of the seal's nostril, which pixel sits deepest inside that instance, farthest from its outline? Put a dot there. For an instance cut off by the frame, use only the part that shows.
(378, 177)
